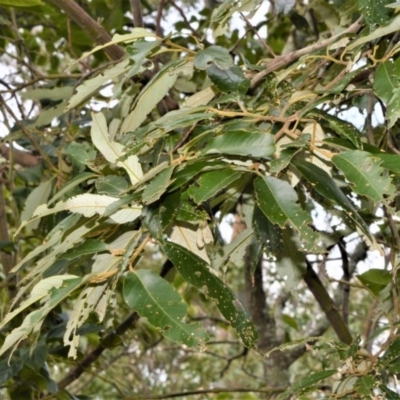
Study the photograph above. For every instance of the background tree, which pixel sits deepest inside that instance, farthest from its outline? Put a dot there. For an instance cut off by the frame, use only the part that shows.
(141, 139)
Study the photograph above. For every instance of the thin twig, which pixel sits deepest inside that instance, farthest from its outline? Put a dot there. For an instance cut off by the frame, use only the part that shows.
(286, 59)
(261, 40)
(185, 20)
(271, 390)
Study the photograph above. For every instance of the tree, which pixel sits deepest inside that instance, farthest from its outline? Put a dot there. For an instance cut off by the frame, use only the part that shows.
(140, 143)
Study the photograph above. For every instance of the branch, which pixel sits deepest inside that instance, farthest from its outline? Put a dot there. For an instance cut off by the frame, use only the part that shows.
(286, 59)
(271, 390)
(327, 304)
(346, 278)
(19, 157)
(90, 26)
(137, 13)
(110, 338)
(6, 259)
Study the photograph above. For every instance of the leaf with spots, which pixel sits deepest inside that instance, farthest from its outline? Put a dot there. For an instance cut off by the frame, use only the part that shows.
(375, 12)
(211, 183)
(197, 272)
(326, 186)
(278, 201)
(155, 299)
(365, 173)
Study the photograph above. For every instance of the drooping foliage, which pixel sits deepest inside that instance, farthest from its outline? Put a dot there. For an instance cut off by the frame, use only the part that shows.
(115, 221)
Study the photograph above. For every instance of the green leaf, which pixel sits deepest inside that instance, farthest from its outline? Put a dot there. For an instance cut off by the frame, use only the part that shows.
(392, 27)
(83, 177)
(306, 384)
(155, 299)
(223, 13)
(375, 12)
(92, 299)
(327, 13)
(113, 151)
(364, 171)
(387, 79)
(91, 86)
(210, 183)
(375, 280)
(365, 385)
(278, 201)
(228, 80)
(188, 213)
(133, 36)
(184, 173)
(234, 251)
(393, 108)
(196, 272)
(80, 153)
(111, 185)
(54, 290)
(193, 237)
(389, 161)
(217, 55)
(152, 94)
(242, 143)
(90, 246)
(159, 216)
(53, 94)
(21, 3)
(90, 204)
(326, 187)
(38, 196)
(287, 151)
(344, 129)
(155, 189)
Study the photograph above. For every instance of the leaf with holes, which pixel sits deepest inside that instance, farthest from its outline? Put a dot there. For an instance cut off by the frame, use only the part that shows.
(53, 290)
(365, 173)
(195, 271)
(278, 201)
(187, 235)
(211, 183)
(114, 151)
(155, 90)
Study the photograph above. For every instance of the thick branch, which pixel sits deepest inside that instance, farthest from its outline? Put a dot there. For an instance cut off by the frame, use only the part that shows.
(327, 304)
(137, 13)
(19, 157)
(90, 26)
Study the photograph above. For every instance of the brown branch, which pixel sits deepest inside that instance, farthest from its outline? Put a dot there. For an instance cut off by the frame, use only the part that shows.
(328, 306)
(160, 10)
(90, 26)
(286, 59)
(19, 157)
(346, 278)
(271, 391)
(183, 16)
(28, 134)
(137, 13)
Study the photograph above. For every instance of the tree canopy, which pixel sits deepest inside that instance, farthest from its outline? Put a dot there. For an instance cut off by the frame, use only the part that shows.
(134, 133)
